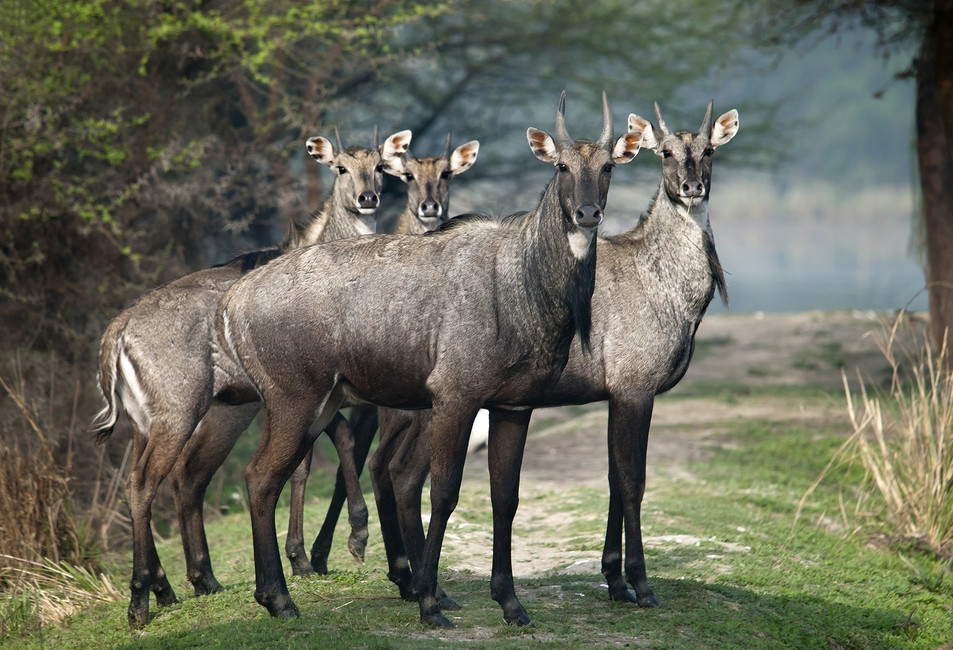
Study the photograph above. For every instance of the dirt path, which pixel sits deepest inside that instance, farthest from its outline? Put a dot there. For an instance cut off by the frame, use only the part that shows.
(567, 446)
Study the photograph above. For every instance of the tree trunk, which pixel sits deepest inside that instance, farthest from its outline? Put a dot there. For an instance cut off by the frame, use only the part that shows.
(934, 115)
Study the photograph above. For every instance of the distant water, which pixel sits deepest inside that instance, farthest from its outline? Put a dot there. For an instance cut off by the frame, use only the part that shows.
(896, 284)
(804, 246)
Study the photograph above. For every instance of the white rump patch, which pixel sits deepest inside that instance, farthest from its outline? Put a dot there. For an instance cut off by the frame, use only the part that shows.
(579, 240)
(133, 397)
(227, 333)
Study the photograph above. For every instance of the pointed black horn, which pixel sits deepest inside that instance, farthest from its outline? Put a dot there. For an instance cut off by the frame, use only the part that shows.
(337, 134)
(377, 138)
(661, 123)
(605, 140)
(562, 135)
(446, 148)
(705, 128)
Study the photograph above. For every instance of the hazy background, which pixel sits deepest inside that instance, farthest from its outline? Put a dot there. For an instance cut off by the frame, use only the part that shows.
(825, 224)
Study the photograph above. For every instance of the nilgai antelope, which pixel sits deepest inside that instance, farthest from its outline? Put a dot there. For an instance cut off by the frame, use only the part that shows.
(428, 185)
(653, 285)
(157, 362)
(494, 331)
(428, 205)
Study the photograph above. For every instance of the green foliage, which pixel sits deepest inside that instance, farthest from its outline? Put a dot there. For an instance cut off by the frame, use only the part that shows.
(125, 124)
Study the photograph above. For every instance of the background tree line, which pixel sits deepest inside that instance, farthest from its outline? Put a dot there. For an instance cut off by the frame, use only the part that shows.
(141, 140)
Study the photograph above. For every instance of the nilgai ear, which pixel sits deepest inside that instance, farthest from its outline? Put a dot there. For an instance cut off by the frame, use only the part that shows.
(394, 165)
(650, 139)
(321, 150)
(627, 147)
(464, 156)
(542, 145)
(396, 145)
(725, 128)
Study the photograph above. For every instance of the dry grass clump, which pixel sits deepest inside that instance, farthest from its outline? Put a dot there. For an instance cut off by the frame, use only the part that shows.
(40, 593)
(903, 440)
(37, 520)
(48, 551)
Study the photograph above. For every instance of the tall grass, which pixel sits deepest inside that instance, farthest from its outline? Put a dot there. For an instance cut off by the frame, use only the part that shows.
(50, 551)
(43, 592)
(903, 439)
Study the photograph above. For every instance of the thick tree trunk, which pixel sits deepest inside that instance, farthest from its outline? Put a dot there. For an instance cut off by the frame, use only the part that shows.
(934, 113)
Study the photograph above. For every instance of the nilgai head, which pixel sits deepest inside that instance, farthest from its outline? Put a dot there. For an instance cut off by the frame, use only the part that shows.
(584, 167)
(360, 170)
(428, 179)
(686, 156)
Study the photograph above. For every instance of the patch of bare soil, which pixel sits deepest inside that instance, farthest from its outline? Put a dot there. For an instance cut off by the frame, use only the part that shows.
(567, 446)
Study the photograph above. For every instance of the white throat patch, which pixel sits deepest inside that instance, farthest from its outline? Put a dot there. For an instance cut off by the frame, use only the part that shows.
(579, 240)
(698, 213)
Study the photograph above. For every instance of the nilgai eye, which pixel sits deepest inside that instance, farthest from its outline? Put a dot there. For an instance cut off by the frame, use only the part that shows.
(445, 175)
(666, 153)
(563, 167)
(709, 151)
(342, 170)
(408, 177)
(608, 168)
(379, 169)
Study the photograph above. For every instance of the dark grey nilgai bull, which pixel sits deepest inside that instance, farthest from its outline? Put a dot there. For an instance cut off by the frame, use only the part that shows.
(653, 285)
(156, 363)
(428, 205)
(363, 320)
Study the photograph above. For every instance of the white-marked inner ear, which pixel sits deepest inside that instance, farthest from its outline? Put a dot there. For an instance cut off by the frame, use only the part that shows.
(643, 126)
(542, 145)
(393, 165)
(724, 128)
(397, 144)
(464, 156)
(321, 150)
(627, 147)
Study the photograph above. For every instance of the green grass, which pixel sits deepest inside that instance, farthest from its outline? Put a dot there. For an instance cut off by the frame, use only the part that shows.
(726, 556)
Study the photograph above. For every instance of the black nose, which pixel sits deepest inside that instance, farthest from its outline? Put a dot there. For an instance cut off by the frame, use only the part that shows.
(368, 200)
(430, 208)
(588, 216)
(693, 188)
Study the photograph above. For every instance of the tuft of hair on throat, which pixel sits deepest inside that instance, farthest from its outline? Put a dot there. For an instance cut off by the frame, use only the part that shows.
(717, 272)
(580, 302)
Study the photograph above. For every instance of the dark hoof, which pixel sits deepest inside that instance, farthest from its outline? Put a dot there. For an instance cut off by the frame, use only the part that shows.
(137, 618)
(356, 544)
(447, 604)
(436, 620)
(206, 585)
(319, 564)
(624, 596)
(302, 568)
(296, 557)
(648, 600)
(520, 620)
(279, 606)
(408, 594)
(165, 596)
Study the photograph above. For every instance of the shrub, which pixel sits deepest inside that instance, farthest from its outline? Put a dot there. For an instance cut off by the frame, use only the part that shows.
(903, 439)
